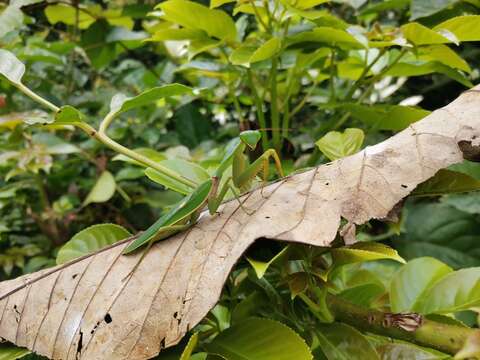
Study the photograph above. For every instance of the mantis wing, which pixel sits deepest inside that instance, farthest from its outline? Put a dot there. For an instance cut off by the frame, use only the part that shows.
(180, 212)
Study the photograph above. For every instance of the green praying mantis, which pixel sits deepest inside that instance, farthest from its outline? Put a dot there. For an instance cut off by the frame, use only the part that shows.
(186, 212)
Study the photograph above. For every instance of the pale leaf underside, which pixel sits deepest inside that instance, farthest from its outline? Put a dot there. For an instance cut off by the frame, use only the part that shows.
(83, 310)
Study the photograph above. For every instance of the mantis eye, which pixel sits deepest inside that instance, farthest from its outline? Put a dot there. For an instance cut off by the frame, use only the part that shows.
(250, 138)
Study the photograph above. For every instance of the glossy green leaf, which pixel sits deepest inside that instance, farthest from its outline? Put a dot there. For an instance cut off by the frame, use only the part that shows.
(178, 34)
(335, 145)
(410, 283)
(121, 103)
(386, 117)
(261, 267)
(419, 34)
(418, 68)
(445, 55)
(10, 67)
(103, 189)
(260, 339)
(457, 291)
(191, 15)
(363, 251)
(217, 3)
(152, 154)
(465, 28)
(249, 54)
(192, 343)
(191, 171)
(68, 115)
(447, 182)
(90, 240)
(327, 35)
(423, 8)
(11, 352)
(342, 342)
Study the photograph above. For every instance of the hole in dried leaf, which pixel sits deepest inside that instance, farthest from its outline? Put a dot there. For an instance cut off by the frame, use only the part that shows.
(108, 319)
(404, 186)
(80, 345)
(74, 276)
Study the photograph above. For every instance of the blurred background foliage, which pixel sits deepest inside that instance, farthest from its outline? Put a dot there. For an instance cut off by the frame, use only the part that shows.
(296, 70)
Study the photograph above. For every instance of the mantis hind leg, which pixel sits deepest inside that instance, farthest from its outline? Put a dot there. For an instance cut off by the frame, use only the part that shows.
(159, 235)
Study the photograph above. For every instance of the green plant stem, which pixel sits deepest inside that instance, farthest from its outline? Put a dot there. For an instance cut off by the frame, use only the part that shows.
(259, 106)
(107, 141)
(362, 76)
(443, 337)
(36, 97)
(275, 118)
(104, 139)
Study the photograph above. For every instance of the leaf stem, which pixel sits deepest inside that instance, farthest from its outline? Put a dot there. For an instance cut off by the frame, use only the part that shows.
(259, 106)
(104, 139)
(275, 118)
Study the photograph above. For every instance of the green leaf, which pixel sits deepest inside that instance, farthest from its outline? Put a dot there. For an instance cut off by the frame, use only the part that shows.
(447, 182)
(191, 15)
(121, 103)
(260, 339)
(11, 352)
(68, 15)
(457, 291)
(335, 145)
(297, 283)
(261, 267)
(152, 154)
(444, 55)
(421, 35)
(10, 67)
(217, 3)
(386, 117)
(191, 126)
(410, 283)
(191, 171)
(248, 307)
(103, 189)
(398, 351)
(10, 19)
(90, 240)
(248, 54)
(465, 28)
(423, 8)
(54, 144)
(452, 257)
(469, 203)
(363, 251)
(468, 168)
(363, 295)
(342, 342)
(178, 34)
(327, 35)
(68, 115)
(192, 343)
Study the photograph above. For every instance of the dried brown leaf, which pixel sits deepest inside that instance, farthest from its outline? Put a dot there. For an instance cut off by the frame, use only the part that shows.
(83, 310)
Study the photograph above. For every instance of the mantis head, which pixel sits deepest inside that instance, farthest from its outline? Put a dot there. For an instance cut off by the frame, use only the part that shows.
(250, 138)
